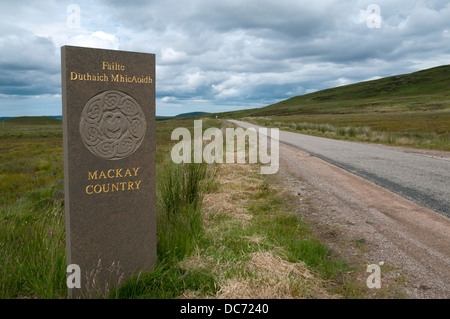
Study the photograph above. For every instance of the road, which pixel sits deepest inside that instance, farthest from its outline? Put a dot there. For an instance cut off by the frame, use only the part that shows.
(422, 179)
(396, 211)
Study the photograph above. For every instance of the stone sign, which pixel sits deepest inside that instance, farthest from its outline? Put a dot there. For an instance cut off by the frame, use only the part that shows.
(109, 165)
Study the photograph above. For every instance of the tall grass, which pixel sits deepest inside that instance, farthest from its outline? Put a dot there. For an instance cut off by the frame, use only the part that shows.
(32, 234)
(363, 133)
(180, 186)
(180, 190)
(32, 230)
(32, 246)
(179, 208)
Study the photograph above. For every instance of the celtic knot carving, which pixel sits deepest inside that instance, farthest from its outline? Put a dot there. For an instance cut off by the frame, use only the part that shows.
(112, 125)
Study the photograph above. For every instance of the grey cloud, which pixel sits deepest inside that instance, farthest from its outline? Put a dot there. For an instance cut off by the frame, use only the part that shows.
(241, 52)
(28, 62)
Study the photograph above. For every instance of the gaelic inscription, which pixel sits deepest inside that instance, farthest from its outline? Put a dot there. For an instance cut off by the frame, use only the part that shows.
(112, 125)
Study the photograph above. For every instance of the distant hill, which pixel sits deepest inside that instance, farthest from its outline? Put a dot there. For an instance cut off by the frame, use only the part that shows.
(162, 118)
(422, 90)
(58, 117)
(191, 114)
(33, 120)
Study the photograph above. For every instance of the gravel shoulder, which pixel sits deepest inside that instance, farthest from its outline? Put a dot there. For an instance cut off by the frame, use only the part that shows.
(368, 224)
(421, 176)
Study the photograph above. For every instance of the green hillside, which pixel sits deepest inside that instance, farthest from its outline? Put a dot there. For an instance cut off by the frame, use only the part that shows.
(33, 120)
(424, 90)
(191, 114)
(413, 108)
(30, 127)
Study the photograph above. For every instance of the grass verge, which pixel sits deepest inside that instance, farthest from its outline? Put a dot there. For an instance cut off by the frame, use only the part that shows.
(224, 231)
(244, 242)
(32, 234)
(389, 132)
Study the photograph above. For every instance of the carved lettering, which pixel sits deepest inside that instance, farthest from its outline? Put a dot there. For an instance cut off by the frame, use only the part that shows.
(137, 184)
(113, 66)
(127, 173)
(113, 173)
(92, 175)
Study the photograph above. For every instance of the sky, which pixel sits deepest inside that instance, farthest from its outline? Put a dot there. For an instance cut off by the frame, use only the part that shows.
(217, 56)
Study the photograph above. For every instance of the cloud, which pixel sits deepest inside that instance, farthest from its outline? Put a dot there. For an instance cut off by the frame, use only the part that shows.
(97, 39)
(227, 54)
(168, 99)
(28, 62)
(171, 56)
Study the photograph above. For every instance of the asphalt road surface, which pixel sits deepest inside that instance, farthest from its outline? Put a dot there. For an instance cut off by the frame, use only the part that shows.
(422, 179)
